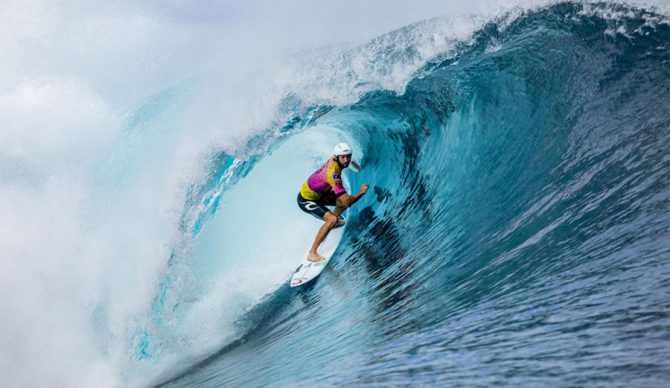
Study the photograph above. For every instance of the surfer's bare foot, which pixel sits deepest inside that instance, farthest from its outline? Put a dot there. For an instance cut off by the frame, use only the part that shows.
(314, 257)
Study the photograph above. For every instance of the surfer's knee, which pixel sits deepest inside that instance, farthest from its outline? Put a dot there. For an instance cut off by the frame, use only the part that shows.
(330, 219)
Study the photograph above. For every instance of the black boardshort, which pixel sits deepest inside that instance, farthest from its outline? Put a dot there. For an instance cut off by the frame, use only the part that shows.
(318, 207)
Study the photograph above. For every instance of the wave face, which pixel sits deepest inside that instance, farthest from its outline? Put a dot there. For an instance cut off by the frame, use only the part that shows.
(517, 227)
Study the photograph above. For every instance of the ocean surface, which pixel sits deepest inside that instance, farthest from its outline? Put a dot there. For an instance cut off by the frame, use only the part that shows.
(516, 231)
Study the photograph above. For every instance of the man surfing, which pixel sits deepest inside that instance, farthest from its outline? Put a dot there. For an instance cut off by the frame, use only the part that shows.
(324, 188)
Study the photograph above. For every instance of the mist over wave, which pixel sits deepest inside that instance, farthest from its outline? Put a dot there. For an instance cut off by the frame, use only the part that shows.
(517, 222)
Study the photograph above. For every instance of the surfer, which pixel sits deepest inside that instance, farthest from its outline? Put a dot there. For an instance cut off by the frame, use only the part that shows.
(324, 188)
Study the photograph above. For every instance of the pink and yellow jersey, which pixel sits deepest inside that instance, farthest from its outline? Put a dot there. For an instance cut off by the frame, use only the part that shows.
(325, 179)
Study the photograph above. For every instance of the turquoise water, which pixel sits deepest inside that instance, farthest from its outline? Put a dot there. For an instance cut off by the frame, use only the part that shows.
(516, 231)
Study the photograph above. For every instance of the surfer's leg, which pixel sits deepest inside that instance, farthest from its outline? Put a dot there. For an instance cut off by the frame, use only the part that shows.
(320, 211)
(340, 220)
(330, 220)
(330, 199)
(317, 210)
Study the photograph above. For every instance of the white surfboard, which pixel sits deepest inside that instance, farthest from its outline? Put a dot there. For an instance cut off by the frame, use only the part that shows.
(309, 270)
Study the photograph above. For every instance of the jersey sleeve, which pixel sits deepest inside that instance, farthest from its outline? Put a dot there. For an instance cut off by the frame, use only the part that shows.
(335, 180)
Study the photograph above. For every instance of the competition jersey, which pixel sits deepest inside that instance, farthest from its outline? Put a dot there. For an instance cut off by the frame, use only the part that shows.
(323, 180)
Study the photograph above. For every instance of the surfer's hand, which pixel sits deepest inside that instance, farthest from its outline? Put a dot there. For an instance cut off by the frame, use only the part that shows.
(364, 188)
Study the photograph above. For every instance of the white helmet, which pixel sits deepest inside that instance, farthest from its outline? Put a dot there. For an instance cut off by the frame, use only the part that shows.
(342, 149)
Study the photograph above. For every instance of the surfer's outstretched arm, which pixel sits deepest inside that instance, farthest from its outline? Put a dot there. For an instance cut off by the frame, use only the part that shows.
(345, 200)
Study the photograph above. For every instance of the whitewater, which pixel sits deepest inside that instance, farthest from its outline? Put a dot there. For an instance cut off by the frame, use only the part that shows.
(516, 230)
